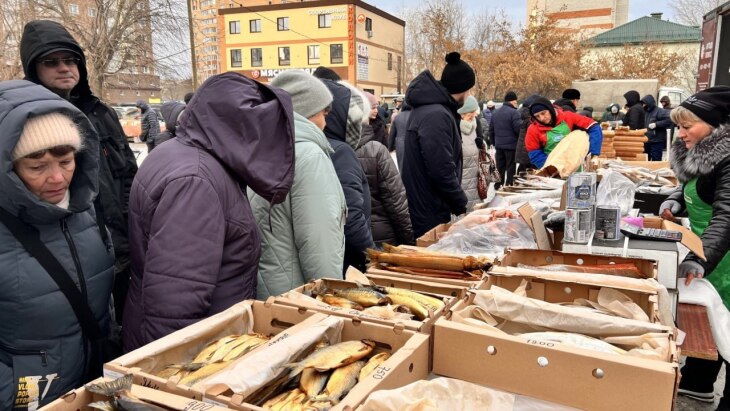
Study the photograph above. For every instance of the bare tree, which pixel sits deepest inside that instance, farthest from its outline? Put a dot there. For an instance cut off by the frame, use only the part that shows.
(13, 14)
(650, 60)
(432, 31)
(116, 35)
(690, 12)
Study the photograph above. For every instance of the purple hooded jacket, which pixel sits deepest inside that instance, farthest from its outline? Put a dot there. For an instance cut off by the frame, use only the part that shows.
(194, 244)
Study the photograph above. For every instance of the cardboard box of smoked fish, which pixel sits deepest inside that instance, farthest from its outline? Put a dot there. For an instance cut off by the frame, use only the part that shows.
(79, 399)
(408, 362)
(447, 294)
(541, 258)
(183, 345)
(556, 371)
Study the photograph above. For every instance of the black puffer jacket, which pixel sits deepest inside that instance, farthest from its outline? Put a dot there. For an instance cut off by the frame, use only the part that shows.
(171, 112)
(709, 161)
(658, 116)
(635, 116)
(521, 156)
(390, 221)
(433, 159)
(397, 139)
(117, 165)
(343, 130)
(566, 105)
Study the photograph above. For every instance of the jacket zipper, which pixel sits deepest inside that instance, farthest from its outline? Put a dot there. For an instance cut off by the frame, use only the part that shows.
(75, 256)
(17, 351)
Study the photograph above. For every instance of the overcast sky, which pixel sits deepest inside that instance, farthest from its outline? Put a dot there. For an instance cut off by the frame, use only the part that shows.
(517, 8)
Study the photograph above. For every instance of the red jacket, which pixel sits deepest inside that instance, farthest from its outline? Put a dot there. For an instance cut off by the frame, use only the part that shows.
(536, 137)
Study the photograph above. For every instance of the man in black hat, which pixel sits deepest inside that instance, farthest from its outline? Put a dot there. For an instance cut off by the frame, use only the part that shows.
(503, 135)
(52, 58)
(433, 159)
(569, 100)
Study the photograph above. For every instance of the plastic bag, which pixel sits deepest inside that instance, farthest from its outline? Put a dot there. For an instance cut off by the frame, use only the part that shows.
(490, 238)
(615, 189)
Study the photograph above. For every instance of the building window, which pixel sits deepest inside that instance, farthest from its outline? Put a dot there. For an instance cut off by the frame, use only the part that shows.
(257, 59)
(313, 54)
(284, 56)
(254, 26)
(91, 12)
(282, 23)
(145, 70)
(73, 8)
(236, 59)
(325, 20)
(234, 27)
(390, 61)
(368, 24)
(336, 53)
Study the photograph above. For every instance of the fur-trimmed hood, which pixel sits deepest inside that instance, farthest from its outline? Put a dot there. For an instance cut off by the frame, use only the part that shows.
(702, 158)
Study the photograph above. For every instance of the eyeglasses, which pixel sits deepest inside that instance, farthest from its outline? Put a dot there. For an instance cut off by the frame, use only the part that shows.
(54, 62)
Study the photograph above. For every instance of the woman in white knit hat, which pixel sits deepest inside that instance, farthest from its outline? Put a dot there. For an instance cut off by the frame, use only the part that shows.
(57, 263)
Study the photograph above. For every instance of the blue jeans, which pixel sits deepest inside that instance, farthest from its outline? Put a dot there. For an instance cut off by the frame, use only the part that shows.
(654, 150)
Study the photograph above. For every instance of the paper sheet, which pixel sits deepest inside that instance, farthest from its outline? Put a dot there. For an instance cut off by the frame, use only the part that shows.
(450, 394)
(259, 367)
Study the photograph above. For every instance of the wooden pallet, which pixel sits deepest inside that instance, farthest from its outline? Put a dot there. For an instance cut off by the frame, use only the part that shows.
(699, 343)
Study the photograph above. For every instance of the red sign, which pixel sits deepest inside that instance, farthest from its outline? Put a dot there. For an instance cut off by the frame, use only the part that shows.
(707, 54)
(255, 74)
(361, 18)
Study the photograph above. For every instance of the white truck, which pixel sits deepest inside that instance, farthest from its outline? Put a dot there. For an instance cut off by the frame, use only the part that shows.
(599, 94)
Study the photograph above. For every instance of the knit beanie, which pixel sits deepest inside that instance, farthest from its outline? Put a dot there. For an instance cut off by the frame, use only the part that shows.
(309, 95)
(139, 103)
(711, 105)
(571, 94)
(457, 76)
(326, 73)
(44, 132)
(538, 107)
(510, 96)
(371, 98)
(471, 105)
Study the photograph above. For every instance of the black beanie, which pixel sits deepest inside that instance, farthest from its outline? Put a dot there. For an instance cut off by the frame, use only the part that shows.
(711, 105)
(571, 94)
(510, 96)
(457, 76)
(326, 73)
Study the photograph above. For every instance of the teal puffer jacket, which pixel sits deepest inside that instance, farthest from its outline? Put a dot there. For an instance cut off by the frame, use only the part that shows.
(302, 239)
(42, 353)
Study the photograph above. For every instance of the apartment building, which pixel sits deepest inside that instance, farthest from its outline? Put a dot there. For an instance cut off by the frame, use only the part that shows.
(360, 42)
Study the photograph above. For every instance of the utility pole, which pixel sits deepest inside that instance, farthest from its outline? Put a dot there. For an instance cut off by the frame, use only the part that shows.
(192, 44)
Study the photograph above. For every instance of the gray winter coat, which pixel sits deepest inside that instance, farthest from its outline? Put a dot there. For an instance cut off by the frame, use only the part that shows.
(194, 243)
(42, 351)
(390, 221)
(303, 238)
(470, 167)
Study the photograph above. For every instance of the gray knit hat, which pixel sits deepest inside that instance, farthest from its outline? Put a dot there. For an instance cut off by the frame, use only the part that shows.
(308, 94)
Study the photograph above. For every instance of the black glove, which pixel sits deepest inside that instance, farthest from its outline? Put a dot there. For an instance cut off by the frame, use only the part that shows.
(480, 143)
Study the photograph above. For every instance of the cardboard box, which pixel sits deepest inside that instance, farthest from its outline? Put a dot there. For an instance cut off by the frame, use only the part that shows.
(79, 399)
(537, 258)
(560, 291)
(409, 362)
(433, 235)
(446, 293)
(554, 372)
(378, 273)
(665, 253)
(182, 345)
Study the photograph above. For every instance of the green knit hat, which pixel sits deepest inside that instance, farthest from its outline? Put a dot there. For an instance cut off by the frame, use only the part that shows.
(471, 105)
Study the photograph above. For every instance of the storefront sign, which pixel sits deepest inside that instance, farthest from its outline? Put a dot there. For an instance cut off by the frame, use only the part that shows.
(271, 73)
(362, 62)
(336, 13)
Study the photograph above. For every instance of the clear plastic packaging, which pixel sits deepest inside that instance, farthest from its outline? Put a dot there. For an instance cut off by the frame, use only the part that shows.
(615, 189)
(490, 238)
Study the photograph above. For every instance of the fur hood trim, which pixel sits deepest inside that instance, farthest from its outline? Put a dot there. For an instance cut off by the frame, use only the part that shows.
(701, 159)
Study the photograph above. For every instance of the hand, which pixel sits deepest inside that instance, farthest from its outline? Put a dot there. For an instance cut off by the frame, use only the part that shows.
(669, 208)
(690, 270)
(652, 126)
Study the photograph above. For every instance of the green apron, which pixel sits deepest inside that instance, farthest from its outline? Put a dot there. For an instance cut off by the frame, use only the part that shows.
(700, 214)
(554, 136)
